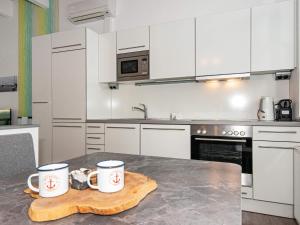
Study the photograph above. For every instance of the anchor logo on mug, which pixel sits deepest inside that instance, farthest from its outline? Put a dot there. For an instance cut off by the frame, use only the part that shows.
(51, 182)
(115, 177)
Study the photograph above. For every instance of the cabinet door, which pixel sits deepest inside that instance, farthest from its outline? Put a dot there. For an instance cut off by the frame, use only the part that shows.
(173, 141)
(172, 49)
(273, 37)
(69, 85)
(41, 114)
(133, 40)
(297, 183)
(122, 138)
(223, 43)
(68, 141)
(273, 171)
(107, 57)
(41, 68)
(68, 40)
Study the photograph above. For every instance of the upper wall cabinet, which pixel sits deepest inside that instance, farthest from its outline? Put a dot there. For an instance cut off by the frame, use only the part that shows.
(41, 69)
(273, 37)
(67, 40)
(172, 51)
(133, 40)
(107, 57)
(223, 43)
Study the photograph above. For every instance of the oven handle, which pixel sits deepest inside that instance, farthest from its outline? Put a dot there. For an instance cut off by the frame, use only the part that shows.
(221, 140)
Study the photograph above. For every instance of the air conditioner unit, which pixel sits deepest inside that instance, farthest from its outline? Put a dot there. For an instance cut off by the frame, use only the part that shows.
(90, 10)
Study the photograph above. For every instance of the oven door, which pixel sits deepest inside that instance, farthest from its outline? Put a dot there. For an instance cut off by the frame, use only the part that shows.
(220, 149)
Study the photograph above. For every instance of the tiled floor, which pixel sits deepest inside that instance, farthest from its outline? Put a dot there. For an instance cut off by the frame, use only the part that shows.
(260, 219)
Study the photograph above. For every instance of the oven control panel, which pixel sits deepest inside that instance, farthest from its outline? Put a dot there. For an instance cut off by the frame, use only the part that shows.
(222, 130)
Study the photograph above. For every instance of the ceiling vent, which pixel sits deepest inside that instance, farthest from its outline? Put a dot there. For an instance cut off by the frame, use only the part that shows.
(91, 10)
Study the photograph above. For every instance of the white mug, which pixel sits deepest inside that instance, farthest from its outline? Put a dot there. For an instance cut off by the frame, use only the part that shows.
(53, 180)
(110, 176)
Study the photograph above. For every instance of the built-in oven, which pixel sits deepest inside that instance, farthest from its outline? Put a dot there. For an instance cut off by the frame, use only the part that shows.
(224, 143)
(133, 66)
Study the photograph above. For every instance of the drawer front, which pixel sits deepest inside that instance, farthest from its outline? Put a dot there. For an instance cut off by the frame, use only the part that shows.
(94, 139)
(95, 148)
(95, 128)
(264, 133)
(246, 192)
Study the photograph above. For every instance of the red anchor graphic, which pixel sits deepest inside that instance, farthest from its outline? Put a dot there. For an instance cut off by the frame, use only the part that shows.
(50, 185)
(117, 179)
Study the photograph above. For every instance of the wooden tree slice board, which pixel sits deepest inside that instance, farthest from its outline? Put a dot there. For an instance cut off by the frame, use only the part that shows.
(137, 187)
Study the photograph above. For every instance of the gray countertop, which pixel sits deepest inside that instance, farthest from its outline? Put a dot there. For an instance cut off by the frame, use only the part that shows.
(189, 192)
(8, 127)
(193, 122)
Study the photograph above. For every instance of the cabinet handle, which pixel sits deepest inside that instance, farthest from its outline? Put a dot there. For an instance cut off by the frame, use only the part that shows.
(149, 128)
(94, 137)
(274, 147)
(67, 118)
(139, 46)
(132, 128)
(221, 140)
(94, 148)
(66, 46)
(67, 126)
(93, 126)
(244, 193)
(39, 102)
(277, 132)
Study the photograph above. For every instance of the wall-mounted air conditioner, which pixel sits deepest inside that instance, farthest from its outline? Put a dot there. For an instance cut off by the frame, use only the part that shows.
(91, 10)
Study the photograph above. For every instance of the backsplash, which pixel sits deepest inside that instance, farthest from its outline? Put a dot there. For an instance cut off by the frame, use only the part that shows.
(230, 100)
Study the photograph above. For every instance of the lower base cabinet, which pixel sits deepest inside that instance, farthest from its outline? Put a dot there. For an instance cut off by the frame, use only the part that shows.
(122, 138)
(173, 141)
(68, 141)
(273, 171)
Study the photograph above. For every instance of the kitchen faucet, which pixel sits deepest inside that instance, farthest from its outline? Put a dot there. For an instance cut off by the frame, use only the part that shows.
(143, 109)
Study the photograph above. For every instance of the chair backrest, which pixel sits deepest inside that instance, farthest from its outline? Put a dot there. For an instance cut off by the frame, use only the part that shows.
(16, 154)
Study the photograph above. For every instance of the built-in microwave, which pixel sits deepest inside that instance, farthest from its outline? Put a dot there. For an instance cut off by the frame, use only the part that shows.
(133, 66)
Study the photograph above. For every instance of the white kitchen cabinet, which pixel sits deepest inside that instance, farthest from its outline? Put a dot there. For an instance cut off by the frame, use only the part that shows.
(272, 133)
(41, 115)
(223, 43)
(41, 68)
(122, 138)
(68, 141)
(108, 57)
(273, 171)
(272, 38)
(132, 40)
(69, 85)
(297, 183)
(172, 51)
(69, 40)
(173, 141)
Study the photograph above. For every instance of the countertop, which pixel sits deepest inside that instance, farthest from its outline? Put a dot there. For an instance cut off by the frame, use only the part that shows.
(8, 127)
(195, 122)
(190, 192)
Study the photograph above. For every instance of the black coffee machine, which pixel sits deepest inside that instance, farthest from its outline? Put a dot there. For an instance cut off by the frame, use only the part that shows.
(283, 110)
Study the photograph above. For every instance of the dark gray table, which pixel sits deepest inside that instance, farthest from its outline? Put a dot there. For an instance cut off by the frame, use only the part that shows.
(189, 193)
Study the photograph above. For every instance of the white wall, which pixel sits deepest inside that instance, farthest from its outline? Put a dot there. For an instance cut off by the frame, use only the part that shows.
(9, 56)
